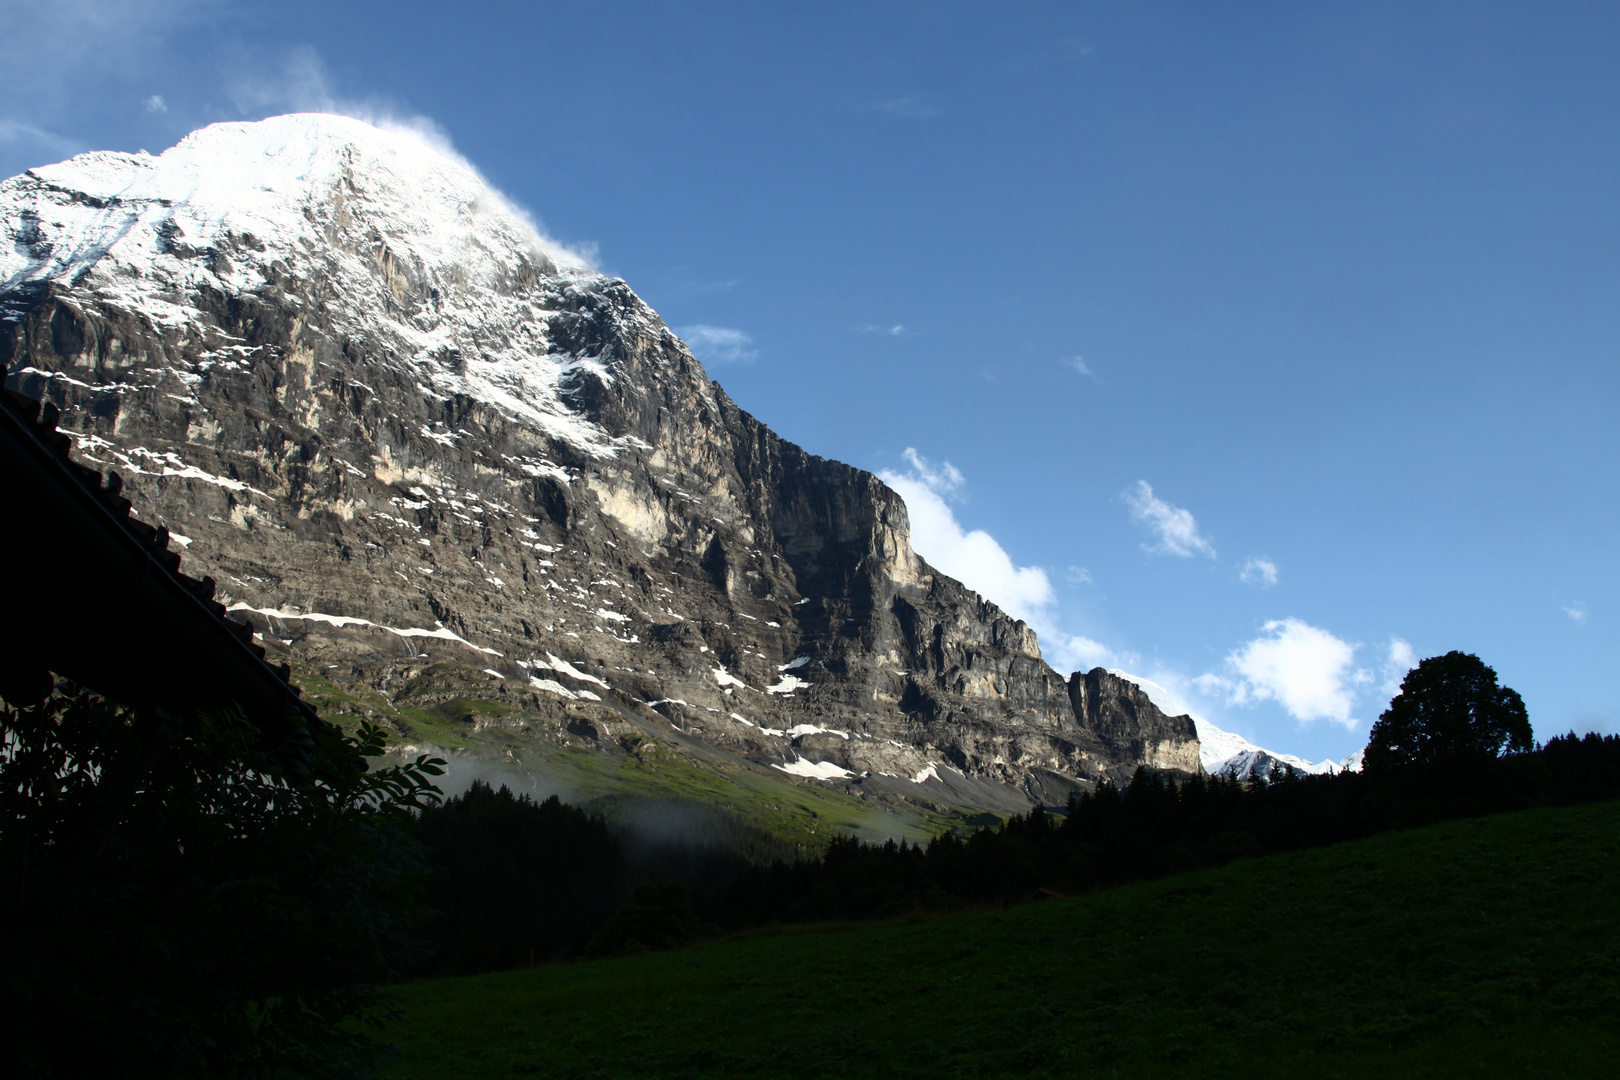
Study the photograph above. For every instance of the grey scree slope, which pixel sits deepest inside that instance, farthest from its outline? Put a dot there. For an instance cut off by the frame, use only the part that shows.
(435, 461)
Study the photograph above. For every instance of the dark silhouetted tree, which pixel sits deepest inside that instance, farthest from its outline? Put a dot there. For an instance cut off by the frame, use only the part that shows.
(1450, 710)
(182, 902)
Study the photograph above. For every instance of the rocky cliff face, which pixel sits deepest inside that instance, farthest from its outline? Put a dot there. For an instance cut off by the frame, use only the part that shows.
(1125, 717)
(480, 492)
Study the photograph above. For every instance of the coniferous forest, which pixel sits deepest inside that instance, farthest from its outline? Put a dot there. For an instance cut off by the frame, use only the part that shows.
(191, 901)
(518, 882)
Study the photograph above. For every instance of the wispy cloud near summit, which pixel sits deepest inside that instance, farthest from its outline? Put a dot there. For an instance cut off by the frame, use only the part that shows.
(718, 344)
(300, 82)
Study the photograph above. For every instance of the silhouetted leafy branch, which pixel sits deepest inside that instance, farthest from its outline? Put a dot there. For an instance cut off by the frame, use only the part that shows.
(182, 900)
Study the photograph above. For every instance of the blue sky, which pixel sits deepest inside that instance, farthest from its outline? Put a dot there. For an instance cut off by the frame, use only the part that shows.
(1253, 348)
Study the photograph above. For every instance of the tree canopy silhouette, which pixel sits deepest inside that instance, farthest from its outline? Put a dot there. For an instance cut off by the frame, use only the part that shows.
(1450, 710)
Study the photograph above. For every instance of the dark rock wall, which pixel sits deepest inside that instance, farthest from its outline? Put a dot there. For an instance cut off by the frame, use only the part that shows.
(315, 474)
(1124, 718)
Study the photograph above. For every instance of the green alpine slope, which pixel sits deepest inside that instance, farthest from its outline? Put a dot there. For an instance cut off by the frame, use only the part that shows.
(1484, 947)
(456, 711)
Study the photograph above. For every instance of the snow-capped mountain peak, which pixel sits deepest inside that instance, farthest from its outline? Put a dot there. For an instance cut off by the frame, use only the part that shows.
(1224, 753)
(424, 253)
(487, 497)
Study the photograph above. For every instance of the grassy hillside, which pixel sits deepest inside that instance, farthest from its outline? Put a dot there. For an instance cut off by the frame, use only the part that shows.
(441, 712)
(1485, 947)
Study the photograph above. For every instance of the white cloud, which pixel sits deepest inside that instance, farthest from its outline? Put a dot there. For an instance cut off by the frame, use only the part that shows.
(118, 33)
(1177, 530)
(1078, 364)
(897, 330)
(1078, 575)
(1261, 572)
(976, 560)
(1577, 612)
(1306, 670)
(943, 479)
(297, 83)
(155, 103)
(979, 562)
(703, 288)
(718, 344)
(972, 557)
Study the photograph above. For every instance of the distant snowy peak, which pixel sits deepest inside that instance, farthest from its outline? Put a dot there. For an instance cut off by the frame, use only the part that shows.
(1233, 755)
(430, 261)
(1223, 753)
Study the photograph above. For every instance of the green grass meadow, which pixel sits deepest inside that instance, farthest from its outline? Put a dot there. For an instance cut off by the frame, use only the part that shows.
(1484, 947)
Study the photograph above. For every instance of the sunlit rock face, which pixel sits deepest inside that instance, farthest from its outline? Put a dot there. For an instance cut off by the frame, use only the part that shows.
(476, 490)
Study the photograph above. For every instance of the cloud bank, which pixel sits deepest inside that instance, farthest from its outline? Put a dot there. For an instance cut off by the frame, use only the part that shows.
(1176, 528)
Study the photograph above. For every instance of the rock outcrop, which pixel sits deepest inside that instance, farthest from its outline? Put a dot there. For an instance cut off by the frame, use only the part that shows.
(480, 492)
(1125, 718)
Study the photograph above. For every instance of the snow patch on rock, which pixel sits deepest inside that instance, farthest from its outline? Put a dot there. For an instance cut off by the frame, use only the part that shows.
(800, 730)
(815, 770)
(786, 685)
(441, 632)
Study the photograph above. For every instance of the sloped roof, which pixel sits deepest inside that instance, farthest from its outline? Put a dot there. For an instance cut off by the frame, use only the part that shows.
(96, 596)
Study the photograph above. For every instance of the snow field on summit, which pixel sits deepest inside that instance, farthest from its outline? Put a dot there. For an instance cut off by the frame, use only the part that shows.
(426, 255)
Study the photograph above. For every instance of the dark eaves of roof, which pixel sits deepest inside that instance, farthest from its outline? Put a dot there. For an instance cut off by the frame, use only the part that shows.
(96, 596)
